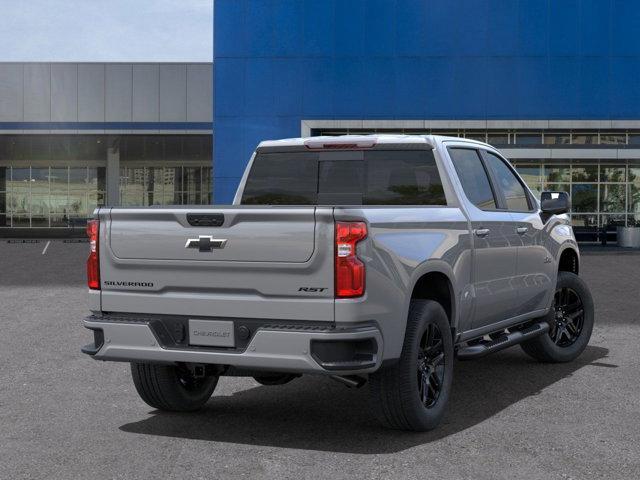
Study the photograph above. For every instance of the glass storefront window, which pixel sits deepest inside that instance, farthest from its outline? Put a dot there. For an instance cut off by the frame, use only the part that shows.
(480, 135)
(556, 173)
(557, 138)
(528, 138)
(612, 198)
(497, 138)
(614, 173)
(612, 220)
(584, 173)
(634, 198)
(584, 138)
(590, 221)
(57, 180)
(584, 197)
(613, 138)
(558, 187)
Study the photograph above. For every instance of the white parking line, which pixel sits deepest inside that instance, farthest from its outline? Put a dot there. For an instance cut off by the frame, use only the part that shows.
(45, 247)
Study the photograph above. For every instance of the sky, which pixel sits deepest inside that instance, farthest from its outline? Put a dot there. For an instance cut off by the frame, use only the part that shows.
(106, 30)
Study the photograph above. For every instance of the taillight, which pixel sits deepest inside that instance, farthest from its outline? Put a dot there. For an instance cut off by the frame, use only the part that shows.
(93, 262)
(349, 270)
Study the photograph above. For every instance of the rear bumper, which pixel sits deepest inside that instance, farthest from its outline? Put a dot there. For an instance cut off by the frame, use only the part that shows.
(295, 349)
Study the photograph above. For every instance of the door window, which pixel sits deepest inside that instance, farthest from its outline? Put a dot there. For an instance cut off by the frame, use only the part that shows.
(512, 189)
(473, 177)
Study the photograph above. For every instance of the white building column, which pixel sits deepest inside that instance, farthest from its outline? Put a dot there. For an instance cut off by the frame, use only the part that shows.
(113, 176)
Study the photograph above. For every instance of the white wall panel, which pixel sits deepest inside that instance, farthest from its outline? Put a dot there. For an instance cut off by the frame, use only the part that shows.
(146, 91)
(199, 93)
(11, 92)
(91, 92)
(37, 92)
(118, 92)
(64, 92)
(173, 93)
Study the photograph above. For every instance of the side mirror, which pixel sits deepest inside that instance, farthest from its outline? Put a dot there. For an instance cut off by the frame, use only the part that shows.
(555, 203)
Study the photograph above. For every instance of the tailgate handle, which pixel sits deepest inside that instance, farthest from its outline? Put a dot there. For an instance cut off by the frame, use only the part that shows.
(205, 219)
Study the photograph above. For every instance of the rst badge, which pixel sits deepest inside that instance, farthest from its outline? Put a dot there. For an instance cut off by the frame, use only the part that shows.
(205, 243)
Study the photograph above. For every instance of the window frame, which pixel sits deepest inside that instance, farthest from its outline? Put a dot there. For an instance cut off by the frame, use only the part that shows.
(503, 200)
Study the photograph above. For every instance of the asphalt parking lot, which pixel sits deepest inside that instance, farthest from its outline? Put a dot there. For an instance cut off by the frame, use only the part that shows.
(63, 415)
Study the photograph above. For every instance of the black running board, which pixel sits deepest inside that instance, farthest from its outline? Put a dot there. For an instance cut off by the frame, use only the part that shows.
(505, 340)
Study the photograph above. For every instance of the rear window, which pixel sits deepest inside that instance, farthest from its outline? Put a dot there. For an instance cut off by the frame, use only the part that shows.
(378, 177)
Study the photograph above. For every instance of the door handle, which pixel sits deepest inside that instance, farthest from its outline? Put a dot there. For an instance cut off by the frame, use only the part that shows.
(522, 230)
(481, 232)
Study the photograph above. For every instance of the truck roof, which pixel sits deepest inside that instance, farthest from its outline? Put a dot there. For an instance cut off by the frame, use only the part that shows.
(361, 140)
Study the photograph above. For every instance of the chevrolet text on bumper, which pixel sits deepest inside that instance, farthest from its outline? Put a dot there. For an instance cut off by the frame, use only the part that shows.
(284, 348)
(374, 259)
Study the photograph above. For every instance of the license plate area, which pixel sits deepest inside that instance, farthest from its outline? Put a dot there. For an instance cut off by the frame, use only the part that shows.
(211, 333)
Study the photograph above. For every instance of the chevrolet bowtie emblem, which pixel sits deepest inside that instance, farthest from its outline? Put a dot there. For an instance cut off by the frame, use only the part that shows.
(206, 243)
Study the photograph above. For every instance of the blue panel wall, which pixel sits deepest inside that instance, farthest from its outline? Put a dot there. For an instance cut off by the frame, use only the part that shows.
(277, 62)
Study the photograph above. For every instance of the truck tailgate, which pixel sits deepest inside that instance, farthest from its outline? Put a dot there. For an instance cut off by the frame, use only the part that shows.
(260, 262)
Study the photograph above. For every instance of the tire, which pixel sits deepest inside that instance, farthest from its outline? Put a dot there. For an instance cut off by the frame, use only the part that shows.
(397, 398)
(571, 319)
(275, 379)
(171, 387)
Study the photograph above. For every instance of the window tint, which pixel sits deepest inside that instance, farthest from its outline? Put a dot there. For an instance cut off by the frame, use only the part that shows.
(402, 178)
(473, 177)
(378, 178)
(508, 183)
(282, 179)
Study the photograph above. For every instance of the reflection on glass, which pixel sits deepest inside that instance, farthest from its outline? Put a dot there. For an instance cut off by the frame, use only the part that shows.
(612, 198)
(614, 173)
(634, 198)
(634, 175)
(585, 138)
(77, 204)
(612, 220)
(40, 181)
(584, 220)
(557, 173)
(20, 221)
(497, 138)
(20, 179)
(78, 178)
(480, 136)
(560, 138)
(557, 187)
(584, 173)
(529, 173)
(613, 138)
(584, 198)
(39, 204)
(529, 139)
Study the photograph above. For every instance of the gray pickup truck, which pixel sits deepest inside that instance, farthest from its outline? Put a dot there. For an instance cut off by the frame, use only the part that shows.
(363, 258)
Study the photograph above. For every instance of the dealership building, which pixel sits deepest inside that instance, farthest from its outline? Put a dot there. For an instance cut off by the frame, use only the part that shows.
(74, 136)
(554, 85)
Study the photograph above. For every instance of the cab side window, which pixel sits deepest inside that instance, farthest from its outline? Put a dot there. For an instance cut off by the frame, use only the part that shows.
(473, 177)
(514, 193)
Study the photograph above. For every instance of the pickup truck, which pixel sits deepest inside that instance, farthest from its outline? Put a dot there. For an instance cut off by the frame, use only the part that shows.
(376, 259)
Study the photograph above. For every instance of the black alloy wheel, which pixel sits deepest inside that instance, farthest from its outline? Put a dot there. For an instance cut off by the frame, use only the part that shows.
(569, 317)
(431, 366)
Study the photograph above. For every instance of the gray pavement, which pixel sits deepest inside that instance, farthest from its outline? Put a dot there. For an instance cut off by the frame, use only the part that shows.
(63, 415)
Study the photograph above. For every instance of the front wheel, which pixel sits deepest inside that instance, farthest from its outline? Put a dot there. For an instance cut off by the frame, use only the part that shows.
(570, 319)
(172, 387)
(413, 393)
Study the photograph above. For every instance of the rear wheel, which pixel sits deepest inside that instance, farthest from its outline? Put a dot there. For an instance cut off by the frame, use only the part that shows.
(172, 387)
(571, 322)
(413, 393)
